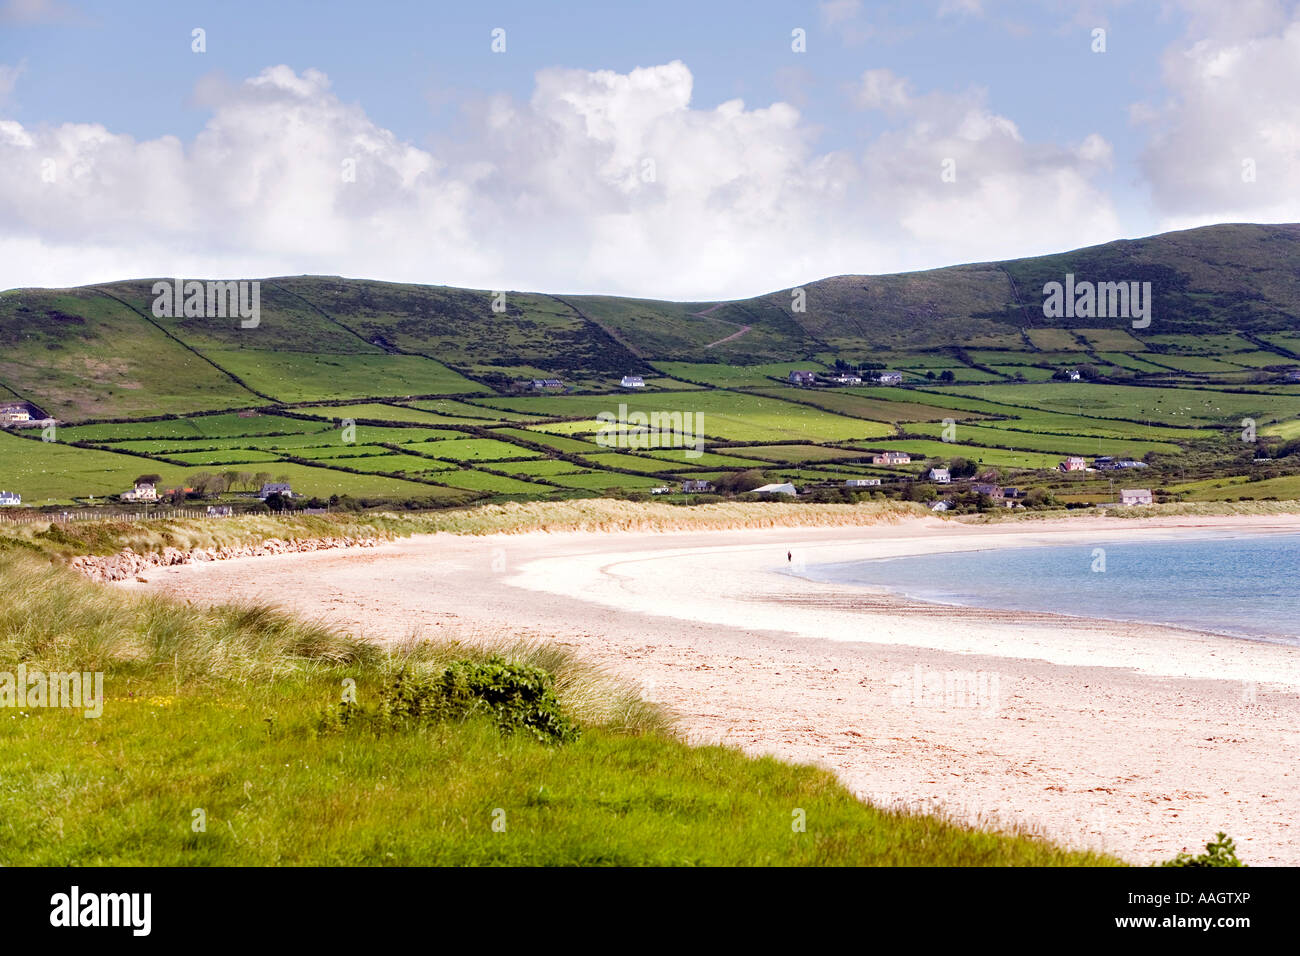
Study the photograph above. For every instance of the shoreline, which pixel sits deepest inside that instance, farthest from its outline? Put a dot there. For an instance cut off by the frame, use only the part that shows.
(1135, 739)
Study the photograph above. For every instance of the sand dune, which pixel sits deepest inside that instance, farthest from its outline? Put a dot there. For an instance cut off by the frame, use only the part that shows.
(1136, 739)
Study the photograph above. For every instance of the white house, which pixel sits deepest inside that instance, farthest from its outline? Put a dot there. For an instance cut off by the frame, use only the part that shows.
(782, 489)
(940, 505)
(661, 490)
(540, 384)
(143, 491)
(846, 379)
(10, 498)
(275, 488)
(12, 413)
(1135, 496)
(802, 377)
(1072, 374)
(940, 476)
(696, 485)
(890, 378)
(861, 482)
(632, 381)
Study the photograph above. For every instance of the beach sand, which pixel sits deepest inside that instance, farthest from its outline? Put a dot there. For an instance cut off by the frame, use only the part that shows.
(1131, 738)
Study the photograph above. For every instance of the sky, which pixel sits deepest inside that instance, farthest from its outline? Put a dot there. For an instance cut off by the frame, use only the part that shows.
(681, 150)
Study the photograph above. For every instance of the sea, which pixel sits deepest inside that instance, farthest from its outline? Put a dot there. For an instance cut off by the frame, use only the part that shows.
(1242, 586)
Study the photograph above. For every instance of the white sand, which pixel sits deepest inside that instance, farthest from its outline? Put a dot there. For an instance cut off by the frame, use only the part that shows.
(1136, 739)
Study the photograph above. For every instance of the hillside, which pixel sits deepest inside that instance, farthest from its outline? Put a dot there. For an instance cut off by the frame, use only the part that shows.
(436, 383)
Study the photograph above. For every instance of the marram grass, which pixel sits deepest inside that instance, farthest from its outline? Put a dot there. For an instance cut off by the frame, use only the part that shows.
(209, 752)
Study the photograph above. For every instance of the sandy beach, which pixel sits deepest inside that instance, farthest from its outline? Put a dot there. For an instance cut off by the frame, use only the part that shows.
(1137, 739)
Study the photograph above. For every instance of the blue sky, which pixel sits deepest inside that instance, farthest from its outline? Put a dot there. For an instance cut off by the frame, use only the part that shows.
(528, 168)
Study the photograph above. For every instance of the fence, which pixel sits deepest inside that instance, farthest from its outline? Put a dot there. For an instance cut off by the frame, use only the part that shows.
(151, 514)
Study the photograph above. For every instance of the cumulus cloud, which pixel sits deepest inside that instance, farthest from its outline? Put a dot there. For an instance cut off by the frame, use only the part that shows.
(600, 181)
(1225, 144)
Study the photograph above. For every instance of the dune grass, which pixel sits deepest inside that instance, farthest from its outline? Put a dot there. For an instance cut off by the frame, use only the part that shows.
(210, 751)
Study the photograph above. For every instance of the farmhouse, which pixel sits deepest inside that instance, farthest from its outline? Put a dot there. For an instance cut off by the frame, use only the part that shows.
(280, 488)
(1072, 374)
(781, 489)
(940, 505)
(14, 413)
(540, 384)
(696, 485)
(1135, 496)
(802, 377)
(632, 381)
(10, 498)
(1074, 463)
(940, 475)
(861, 482)
(846, 379)
(890, 378)
(981, 488)
(892, 458)
(143, 491)
(661, 490)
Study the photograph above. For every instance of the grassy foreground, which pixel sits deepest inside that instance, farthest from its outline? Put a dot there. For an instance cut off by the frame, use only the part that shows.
(210, 751)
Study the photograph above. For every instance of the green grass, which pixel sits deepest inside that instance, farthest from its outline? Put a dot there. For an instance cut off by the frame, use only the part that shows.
(975, 434)
(55, 472)
(799, 453)
(381, 412)
(473, 449)
(228, 425)
(311, 376)
(734, 376)
(923, 448)
(484, 481)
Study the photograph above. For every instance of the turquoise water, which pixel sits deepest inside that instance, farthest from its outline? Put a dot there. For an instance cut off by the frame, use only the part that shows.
(1238, 586)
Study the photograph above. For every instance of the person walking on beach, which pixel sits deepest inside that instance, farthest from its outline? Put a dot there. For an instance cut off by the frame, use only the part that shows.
(789, 555)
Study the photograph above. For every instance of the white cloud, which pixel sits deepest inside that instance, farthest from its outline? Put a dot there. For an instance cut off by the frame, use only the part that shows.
(1230, 106)
(602, 181)
(9, 78)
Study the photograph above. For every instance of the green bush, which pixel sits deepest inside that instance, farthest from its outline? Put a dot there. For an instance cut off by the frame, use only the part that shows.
(515, 697)
(1220, 852)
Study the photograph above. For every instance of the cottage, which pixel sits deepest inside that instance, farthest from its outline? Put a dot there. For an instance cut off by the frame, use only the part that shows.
(861, 482)
(661, 490)
(982, 488)
(890, 378)
(782, 489)
(14, 413)
(696, 486)
(632, 381)
(892, 458)
(10, 499)
(540, 384)
(940, 505)
(1072, 374)
(1135, 496)
(280, 488)
(1074, 463)
(802, 377)
(939, 476)
(846, 379)
(220, 511)
(143, 491)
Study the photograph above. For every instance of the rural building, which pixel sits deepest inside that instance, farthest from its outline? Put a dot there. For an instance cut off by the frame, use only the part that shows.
(1135, 496)
(543, 383)
(892, 458)
(861, 482)
(661, 490)
(15, 412)
(846, 379)
(275, 488)
(981, 488)
(632, 381)
(1107, 463)
(940, 505)
(890, 378)
(143, 491)
(249, 413)
(10, 498)
(940, 475)
(1072, 374)
(782, 489)
(802, 377)
(696, 485)
(1074, 463)
(1293, 375)
(220, 511)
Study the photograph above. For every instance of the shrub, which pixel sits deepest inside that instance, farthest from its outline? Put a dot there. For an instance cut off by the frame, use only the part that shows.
(516, 697)
(1220, 852)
